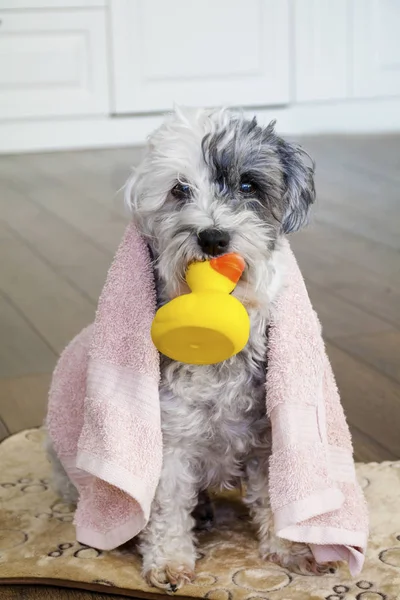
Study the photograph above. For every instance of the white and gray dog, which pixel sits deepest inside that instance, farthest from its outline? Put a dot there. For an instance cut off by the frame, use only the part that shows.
(213, 182)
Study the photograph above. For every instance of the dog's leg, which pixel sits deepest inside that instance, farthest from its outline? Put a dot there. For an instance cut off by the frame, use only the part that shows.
(203, 513)
(295, 556)
(167, 543)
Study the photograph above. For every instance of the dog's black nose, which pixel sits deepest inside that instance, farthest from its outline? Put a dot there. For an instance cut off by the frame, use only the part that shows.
(214, 241)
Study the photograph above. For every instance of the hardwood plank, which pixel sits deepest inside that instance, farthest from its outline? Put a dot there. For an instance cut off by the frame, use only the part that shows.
(340, 318)
(381, 350)
(23, 401)
(367, 449)
(370, 400)
(351, 192)
(101, 225)
(358, 207)
(89, 188)
(373, 156)
(348, 219)
(56, 309)
(75, 170)
(359, 286)
(4, 433)
(360, 250)
(353, 186)
(56, 242)
(94, 221)
(22, 350)
(5, 233)
(109, 168)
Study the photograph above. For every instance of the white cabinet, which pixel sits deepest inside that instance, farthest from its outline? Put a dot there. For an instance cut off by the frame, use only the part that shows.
(199, 52)
(22, 4)
(79, 73)
(53, 63)
(346, 49)
(376, 48)
(321, 49)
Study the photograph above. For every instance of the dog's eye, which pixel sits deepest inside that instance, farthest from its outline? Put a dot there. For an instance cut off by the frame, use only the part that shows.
(248, 188)
(181, 191)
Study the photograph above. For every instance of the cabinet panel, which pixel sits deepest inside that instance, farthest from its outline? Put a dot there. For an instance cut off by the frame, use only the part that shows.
(53, 63)
(321, 49)
(199, 52)
(23, 4)
(376, 48)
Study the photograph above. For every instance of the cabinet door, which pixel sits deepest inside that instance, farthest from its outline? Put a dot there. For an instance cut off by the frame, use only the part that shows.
(321, 43)
(376, 48)
(53, 63)
(199, 52)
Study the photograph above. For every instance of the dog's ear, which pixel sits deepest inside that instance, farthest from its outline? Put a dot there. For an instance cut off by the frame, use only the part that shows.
(299, 190)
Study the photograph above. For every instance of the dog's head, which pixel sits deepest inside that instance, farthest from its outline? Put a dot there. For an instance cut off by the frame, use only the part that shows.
(213, 182)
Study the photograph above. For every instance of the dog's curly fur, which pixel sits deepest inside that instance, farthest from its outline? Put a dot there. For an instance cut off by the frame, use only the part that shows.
(216, 170)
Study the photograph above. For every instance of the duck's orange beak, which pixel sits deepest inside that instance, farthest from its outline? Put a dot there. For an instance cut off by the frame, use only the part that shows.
(230, 265)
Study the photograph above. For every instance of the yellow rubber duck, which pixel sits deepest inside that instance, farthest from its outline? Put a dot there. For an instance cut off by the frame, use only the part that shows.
(208, 325)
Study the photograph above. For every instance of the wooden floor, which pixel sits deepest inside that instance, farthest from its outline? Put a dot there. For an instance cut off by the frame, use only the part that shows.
(60, 223)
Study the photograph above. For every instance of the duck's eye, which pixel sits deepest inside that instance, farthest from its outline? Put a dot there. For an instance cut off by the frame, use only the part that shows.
(181, 191)
(247, 187)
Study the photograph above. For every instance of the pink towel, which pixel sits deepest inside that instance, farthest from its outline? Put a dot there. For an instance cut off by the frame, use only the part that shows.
(104, 418)
(104, 411)
(314, 493)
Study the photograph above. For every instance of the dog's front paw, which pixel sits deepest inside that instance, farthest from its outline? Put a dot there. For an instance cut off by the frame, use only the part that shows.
(298, 558)
(303, 565)
(171, 577)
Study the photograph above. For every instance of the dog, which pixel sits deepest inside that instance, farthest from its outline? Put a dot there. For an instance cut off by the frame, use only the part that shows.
(212, 182)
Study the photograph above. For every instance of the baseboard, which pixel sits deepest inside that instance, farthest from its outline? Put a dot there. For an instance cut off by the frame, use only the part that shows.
(349, 117)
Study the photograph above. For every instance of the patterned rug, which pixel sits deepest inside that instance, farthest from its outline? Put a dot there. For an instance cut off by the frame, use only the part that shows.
(37, 543)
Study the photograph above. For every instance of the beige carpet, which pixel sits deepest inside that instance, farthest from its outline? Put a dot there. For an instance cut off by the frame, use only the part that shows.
(37, 542)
